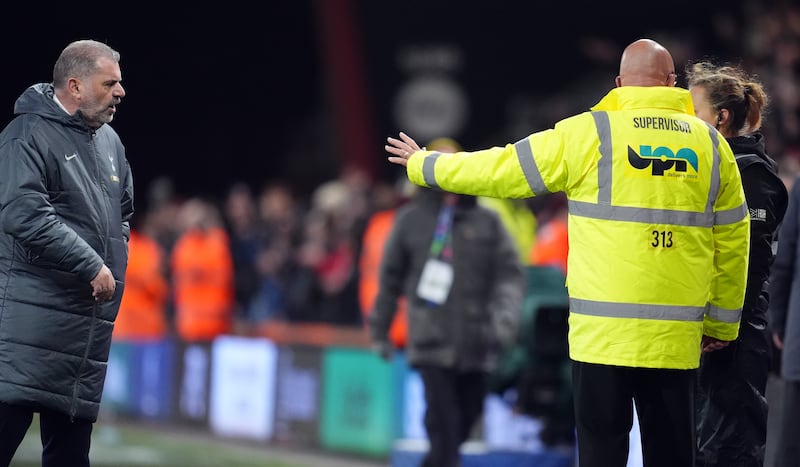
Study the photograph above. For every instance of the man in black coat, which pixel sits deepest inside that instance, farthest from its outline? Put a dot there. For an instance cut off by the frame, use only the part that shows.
(66, 198)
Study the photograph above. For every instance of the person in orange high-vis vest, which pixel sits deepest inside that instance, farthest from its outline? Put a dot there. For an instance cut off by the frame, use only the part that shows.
(552, 246)
(374, 238)
(202, 275)
(552, 243)
(142, 314)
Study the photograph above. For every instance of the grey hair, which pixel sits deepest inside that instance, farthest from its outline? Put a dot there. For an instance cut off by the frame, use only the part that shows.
(79, 60)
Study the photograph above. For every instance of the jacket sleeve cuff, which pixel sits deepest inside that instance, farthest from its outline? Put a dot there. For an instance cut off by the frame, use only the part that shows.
(414, 168)
(91, 270)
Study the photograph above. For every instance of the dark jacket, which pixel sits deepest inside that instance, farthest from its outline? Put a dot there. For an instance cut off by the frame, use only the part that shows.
(785, 288)
(482, 311)
(66, 198)
(731, 407)
(766, 200)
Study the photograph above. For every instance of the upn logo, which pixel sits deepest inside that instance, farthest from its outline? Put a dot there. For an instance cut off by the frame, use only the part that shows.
(662, 158)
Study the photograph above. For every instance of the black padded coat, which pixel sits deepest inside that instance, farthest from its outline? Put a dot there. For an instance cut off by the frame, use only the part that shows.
(66, 197)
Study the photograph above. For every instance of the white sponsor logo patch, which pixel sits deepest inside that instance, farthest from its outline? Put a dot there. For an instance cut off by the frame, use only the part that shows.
(757, 214)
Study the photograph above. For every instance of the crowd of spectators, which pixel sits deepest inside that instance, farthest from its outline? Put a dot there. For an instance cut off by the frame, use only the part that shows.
(771, 48)
(287, 256)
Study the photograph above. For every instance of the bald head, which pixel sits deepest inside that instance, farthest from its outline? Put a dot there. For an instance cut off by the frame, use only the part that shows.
(646, 63)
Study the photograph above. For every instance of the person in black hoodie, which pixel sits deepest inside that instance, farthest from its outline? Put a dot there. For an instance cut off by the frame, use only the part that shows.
(66, 200)
(731, 402)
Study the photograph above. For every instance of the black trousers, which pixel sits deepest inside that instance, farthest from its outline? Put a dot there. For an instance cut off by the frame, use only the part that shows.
(64, 442)
(732, 403)
(604, 398)
(454, 401)
(788, 450)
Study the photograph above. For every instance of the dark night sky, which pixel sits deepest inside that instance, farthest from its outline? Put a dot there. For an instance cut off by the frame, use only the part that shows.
(212, 92)
(224, 92)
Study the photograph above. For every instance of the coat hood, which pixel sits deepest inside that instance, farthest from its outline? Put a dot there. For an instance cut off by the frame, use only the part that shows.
(38, 100)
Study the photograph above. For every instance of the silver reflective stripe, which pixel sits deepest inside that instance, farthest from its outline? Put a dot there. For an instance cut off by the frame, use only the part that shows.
(427, 169)
(606, 162)
(529, 168)
(636, 310)
(731, 216)
(713, 189)
(643, 215)
(724, 314)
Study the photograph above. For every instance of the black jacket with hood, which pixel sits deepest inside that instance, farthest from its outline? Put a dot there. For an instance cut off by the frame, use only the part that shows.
(732, 408)
(66, 198)
(767, 200)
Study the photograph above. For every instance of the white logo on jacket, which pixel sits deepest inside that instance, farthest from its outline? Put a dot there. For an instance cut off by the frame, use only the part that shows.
(758, 214)
(114, 177)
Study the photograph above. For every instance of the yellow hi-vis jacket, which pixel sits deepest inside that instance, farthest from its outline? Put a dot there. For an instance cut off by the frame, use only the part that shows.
(658, 224)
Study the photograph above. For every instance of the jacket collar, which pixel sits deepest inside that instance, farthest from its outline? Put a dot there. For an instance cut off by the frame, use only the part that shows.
(638, 97)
